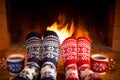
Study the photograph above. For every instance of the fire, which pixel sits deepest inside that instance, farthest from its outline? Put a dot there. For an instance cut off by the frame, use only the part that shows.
(82, 32)
(62, 28)
(65, 29)
(64, 32)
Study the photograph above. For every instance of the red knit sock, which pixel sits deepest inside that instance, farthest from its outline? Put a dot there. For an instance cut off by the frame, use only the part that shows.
(83, 61)
(83, 54)
(69, 56)
(88, 74)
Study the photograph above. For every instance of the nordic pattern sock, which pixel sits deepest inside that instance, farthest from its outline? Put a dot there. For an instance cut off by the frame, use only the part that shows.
(30, 72)
(83, 54)
(69, 56)
(33, 44)
(51, 50)
(88, 74)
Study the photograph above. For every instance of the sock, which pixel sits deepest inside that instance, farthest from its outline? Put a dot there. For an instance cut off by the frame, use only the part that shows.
(88, 74)
(51, 50)
(83, 48)
(83, 53)
(33, 47)
(33, 44)
(69, 57)
(30, 72)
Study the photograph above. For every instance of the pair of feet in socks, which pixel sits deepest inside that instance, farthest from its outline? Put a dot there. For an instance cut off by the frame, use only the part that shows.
(42, 57)
(76, 58)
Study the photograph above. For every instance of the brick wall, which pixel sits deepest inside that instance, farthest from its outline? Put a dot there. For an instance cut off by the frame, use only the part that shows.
(4, 34)
(116, 27)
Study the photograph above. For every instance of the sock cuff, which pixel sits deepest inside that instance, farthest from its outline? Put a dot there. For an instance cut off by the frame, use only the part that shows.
(33, 34)
(48, 32)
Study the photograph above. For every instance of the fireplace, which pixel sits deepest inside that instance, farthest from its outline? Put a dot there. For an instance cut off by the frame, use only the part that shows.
(94, 20)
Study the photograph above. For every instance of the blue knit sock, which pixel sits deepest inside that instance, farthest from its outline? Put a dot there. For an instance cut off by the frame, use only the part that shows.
(51, 50)
(33, 44)
(30, 72)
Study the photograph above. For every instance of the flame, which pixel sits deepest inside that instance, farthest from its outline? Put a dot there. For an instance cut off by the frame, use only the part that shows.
(81, 32)
(65, 29)
(62, 30)
(62, 33)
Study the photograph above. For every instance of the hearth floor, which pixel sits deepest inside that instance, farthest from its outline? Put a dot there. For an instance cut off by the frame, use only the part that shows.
(114, 74)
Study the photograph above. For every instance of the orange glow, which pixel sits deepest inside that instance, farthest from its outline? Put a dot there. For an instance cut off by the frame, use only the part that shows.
(82, 32)
(62, 33)
(65, 29)
(62, 29)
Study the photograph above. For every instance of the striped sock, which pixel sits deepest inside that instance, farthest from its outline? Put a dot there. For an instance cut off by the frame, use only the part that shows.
(51, 50)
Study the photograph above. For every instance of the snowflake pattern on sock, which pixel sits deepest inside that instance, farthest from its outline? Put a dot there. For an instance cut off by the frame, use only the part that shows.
(71, 72)
(83, 53)
(88, 74)
(48, 70)
(33, 44)
(51, 51)
(33, 47)
(30, 72)
(69, 57)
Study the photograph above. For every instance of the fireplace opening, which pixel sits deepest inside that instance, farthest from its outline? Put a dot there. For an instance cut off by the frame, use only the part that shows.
(92, 19)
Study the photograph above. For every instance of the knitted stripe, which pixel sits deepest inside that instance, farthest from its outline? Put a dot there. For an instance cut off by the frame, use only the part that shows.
(33, 44)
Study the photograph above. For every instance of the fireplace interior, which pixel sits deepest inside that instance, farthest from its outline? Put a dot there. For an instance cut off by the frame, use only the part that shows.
(96, 20)
(95, 17)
